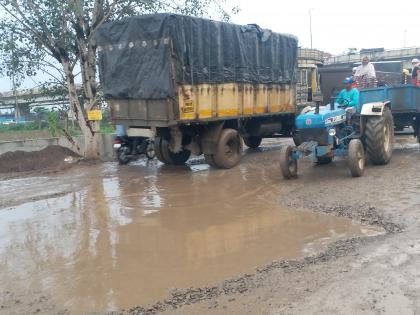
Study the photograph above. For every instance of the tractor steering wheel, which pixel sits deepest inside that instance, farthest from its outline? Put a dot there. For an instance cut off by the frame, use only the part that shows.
(345, 104)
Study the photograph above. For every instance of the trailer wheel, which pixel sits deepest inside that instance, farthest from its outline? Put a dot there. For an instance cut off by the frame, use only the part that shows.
(253, 141)
(158, 150)
(379, 137)
(229, 149)
(150, 150)
(356, 158)
(166, 156)
(288, 164)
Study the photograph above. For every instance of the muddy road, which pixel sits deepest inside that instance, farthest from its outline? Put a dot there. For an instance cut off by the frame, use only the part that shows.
(148, 238)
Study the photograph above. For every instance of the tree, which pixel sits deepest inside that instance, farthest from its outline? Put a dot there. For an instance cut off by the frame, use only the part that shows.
(58, 36)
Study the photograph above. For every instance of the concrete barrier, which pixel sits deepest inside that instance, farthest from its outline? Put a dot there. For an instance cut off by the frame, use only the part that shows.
(106, 151)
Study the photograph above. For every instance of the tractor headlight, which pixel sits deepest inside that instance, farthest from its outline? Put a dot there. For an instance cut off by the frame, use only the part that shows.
(332, 132)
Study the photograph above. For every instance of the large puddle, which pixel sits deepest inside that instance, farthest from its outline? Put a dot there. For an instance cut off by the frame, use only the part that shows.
(124, 237)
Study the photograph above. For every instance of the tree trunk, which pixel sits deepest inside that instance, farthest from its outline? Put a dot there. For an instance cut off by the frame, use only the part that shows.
(92, 145)
(90, 129)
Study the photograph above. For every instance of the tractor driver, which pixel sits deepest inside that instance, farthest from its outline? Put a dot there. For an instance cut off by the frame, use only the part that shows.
(349, 98)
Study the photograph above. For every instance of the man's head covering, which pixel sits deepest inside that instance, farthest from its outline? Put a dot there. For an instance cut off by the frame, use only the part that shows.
(415, 60)
(348, 80)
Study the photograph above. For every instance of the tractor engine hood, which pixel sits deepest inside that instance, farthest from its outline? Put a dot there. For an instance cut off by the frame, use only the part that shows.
(325, 118)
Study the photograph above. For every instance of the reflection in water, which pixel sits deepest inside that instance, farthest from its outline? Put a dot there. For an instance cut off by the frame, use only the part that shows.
(126, 236)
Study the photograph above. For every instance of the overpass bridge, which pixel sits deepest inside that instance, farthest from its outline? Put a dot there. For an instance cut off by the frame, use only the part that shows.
(402, 54)
(20, 102)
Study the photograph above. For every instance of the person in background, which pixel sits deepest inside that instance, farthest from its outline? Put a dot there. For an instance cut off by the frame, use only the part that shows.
(415, 79)
(353, 76)
(120, 130)
(366, 69)
(406, 76)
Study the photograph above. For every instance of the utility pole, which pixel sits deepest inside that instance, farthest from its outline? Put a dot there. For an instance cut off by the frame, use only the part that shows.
(405, 38)
(310, 24)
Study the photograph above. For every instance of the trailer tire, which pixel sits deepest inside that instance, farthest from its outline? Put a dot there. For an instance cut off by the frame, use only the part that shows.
(166, 156)
(356, 158)
(379, 137)
(229, 149)
(158, 151)
(288, 165)
(253, 141)
(150, 150)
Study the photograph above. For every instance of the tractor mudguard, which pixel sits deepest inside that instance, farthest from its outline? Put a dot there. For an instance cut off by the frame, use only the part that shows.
(375, 108)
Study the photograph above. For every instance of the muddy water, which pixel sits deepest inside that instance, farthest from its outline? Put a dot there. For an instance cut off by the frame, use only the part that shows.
(113, 237)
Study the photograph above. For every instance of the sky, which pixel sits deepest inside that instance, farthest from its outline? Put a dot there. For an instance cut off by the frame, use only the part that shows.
(336, 25)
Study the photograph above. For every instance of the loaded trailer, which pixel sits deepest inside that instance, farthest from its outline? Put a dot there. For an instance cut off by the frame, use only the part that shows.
(198, 86)
(404, 102)
(393, 88)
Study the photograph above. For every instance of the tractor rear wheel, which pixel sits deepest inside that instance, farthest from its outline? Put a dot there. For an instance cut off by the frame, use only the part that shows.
(379, 137)
(288, 164)
(168, 157)
(229, 149)
(356, 158)
(253, 141)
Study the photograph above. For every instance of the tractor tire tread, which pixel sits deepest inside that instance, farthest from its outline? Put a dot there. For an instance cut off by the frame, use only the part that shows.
(374, 138)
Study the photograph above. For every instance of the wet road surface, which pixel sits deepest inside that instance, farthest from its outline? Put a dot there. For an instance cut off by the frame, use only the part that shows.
(103, 237)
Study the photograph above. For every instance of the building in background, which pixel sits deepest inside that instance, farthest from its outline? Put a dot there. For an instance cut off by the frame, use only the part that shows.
(308, 85)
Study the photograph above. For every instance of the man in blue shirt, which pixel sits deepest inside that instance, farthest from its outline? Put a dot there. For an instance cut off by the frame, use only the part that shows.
(349, 96)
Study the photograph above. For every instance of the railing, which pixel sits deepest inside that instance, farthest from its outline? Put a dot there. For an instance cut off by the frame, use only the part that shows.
(391, 54)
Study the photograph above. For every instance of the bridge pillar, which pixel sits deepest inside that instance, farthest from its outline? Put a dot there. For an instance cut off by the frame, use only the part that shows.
(17, 113)
(21, 110)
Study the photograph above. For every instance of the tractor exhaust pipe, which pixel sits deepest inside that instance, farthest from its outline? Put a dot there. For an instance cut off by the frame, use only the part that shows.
(332, 104)
(316, 107)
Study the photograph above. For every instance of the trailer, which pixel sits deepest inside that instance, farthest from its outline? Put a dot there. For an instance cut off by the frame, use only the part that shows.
(404, 101)
(198, 86)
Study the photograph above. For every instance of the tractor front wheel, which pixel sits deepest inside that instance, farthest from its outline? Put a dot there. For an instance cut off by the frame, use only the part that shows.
(288, 164)
(356, 158)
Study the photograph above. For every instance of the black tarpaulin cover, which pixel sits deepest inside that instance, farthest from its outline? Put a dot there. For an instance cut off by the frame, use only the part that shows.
(145, 57)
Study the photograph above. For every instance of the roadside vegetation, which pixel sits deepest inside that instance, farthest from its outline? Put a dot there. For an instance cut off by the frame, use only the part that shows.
(45, 123)
(57, 38)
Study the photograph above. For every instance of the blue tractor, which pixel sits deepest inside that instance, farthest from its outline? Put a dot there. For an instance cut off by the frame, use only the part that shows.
(324, 132)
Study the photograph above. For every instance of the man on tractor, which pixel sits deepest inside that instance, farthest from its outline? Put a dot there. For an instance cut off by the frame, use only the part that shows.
(349, 98)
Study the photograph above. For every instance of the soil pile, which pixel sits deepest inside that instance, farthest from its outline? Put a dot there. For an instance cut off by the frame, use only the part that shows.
(21, 161)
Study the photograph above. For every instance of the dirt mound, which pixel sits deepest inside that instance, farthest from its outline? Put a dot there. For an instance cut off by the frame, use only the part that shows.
(21, 161)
